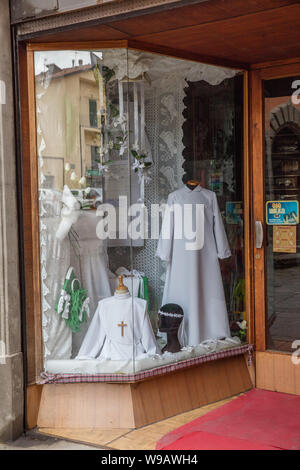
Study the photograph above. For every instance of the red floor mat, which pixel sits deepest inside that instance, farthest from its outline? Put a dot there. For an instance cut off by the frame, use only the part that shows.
(257, 420)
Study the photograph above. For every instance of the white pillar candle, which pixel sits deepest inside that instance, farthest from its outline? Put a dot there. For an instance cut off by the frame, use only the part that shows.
(100, 94)
(104, 99)
(136, 114)
(121, 103)
(142, 115)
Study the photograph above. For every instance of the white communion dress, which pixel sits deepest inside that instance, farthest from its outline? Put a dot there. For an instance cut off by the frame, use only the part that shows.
(90, 261)
(193, 277)
(87, 255)
(55, 261)
(120, 330)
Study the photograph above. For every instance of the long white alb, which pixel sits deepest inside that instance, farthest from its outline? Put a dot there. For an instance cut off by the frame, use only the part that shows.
(193, 278)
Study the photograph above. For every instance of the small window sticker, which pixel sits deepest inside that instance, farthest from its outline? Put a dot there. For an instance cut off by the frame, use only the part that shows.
(282, 212)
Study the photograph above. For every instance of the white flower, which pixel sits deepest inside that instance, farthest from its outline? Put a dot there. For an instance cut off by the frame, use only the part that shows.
(67, 167)
(135, 165)
(73, 176)
(107, 147)
(82, 180)
(102, 167)
(119, 121)
(135, 147)
(87, 190)
(242, 324)
(122, 149)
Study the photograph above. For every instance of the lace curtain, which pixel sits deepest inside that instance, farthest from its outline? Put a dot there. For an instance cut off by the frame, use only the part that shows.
(164, 109)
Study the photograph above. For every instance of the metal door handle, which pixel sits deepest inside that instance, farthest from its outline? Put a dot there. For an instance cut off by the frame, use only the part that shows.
(259, 234)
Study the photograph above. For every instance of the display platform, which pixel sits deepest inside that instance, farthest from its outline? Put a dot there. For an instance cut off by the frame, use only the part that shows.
(95, 370)
(132, 405)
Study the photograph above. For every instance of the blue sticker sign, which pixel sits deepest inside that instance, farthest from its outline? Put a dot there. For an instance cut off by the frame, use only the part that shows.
(282, 212)
(234, 212)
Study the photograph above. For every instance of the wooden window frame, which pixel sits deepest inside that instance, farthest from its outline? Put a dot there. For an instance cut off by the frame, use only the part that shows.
(30, 186)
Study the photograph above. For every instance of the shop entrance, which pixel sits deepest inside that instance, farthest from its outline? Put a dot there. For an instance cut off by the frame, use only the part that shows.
(276, 219)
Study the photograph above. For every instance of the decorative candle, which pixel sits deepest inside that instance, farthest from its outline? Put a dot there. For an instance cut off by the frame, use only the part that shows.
(104, 100)
(136, 114)
(100, 93)
(142, 115)
(121, 104)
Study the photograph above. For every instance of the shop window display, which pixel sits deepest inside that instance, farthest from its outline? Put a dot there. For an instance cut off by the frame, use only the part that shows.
(141, 209)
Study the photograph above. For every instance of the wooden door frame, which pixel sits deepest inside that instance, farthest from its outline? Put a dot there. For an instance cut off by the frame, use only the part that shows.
(33, 329)
(258, 73)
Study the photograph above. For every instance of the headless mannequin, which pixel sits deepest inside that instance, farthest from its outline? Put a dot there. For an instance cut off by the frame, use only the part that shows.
(192, 184)
(121, 291)
(169, 323)
(115, 334)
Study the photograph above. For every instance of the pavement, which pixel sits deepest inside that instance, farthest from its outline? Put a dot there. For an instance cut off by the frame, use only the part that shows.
(35, 441)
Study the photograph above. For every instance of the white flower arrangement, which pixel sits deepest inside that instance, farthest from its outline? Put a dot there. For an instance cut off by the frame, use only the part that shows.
(242, 324)
(120, 120)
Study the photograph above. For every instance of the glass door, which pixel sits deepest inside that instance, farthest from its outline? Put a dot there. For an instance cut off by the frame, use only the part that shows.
(281, 121)
(275, 188)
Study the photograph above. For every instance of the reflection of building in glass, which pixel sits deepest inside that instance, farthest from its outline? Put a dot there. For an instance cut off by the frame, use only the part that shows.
(68, 104)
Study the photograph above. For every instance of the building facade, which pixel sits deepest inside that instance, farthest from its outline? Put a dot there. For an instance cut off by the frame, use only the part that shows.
(11, 357)
(142, 99)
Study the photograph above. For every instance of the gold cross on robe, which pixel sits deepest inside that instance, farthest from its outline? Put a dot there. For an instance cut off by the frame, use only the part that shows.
(122, 324)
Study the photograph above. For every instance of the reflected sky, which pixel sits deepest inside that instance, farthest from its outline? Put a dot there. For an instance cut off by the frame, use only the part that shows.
(63, 59)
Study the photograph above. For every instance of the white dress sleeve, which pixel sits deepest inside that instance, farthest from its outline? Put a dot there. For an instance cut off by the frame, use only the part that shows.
(148, 339)
(165, 242)
(69, 213)
(94, 338)
(222, 246)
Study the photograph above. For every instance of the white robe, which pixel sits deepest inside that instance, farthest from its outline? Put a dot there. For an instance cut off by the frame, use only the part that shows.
(193, 278)
(55, 261)
(104, 338)
(88, 256)
(90, 261)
